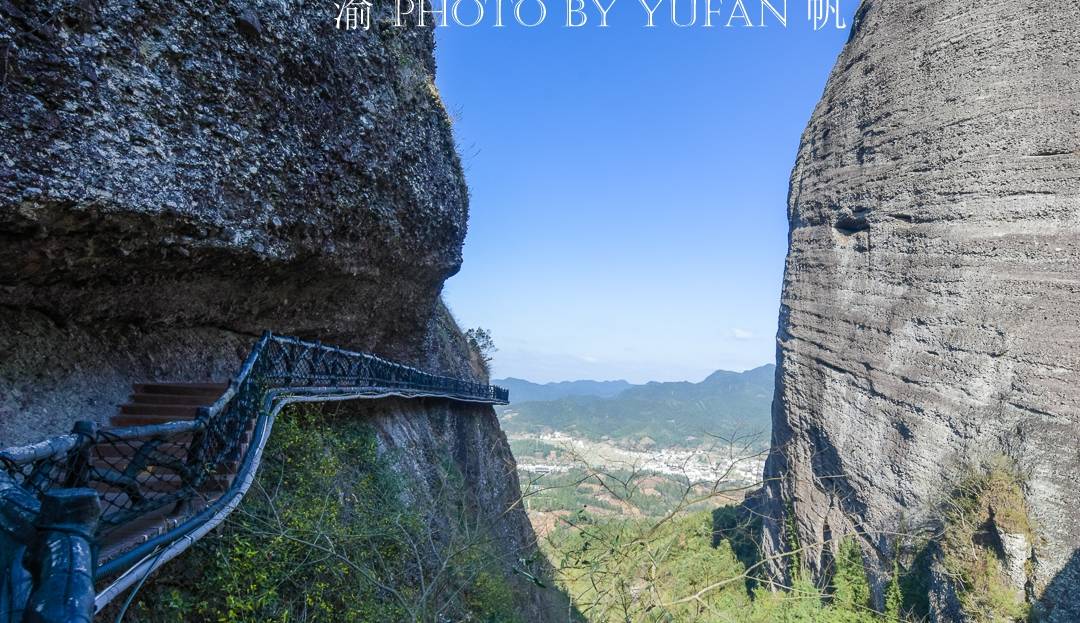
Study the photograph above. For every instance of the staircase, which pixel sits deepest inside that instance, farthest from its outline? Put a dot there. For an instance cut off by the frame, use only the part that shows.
(151, 404)
(158, 403)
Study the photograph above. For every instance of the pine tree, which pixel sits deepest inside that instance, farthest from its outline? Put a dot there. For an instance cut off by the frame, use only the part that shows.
(791, 535)
(894, 599)
(851, 588)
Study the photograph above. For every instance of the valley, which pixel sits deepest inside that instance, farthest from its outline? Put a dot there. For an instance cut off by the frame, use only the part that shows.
(608, 451)
(735, 461)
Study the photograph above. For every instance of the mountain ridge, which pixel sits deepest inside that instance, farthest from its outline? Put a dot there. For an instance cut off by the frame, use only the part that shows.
(554, 390)
(665, 413)
(559, 389)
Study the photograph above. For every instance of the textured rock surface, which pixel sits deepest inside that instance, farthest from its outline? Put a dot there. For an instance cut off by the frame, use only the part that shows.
(1017, 552)
(931, 306)
(944, 602)
(176, 179)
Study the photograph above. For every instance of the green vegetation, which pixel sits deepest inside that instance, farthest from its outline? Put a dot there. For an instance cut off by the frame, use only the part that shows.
(851, 589)
(642, 571)
(540, 450)
(614, 492)
(894, 596)
(482, 346)
(324, 536)
(621, 560)
(741, 531)
(637, 546)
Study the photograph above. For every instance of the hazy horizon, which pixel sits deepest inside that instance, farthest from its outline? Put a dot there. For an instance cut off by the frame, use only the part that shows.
(591, 380)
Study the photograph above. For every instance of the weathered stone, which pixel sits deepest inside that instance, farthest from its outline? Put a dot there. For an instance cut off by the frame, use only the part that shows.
(196, 191)
(1016, 551)
(249, 23)
(423, 442)
(942, 596)
(931, 308)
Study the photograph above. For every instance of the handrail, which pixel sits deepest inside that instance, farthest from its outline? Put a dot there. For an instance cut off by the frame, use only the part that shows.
(167, 469)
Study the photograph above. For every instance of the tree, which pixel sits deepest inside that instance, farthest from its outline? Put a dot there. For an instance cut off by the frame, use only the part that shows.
(481, 342)
(851, 588)
(894, 597)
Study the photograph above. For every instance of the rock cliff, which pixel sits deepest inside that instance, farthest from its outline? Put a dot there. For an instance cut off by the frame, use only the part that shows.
(930, 317)
(175, 179)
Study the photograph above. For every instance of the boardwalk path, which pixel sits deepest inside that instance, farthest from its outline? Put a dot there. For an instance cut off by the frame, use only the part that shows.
(180, 457)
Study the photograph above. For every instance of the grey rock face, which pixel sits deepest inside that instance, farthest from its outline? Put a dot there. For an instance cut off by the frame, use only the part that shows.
(174, 179)
(944, 602)
(931, 308)
(1017, 552)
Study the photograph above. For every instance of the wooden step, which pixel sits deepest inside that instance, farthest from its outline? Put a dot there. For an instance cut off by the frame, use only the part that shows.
(214, 482)
(119, 464)
(126, 419)
(160, 403)
(141, 420)
(189, 389)
(151, 484)
(176, 412)
(127, 537)
(120, 453)
(113, 499)
(198, 400)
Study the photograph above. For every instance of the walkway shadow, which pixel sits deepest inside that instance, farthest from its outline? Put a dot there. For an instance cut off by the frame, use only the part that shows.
(1061, 600)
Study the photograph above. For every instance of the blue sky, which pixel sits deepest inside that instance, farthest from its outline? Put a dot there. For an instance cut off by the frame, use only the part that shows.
(629, 184)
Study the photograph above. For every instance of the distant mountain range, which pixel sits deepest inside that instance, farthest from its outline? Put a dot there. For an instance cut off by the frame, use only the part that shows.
(666, 414)
(527, 391)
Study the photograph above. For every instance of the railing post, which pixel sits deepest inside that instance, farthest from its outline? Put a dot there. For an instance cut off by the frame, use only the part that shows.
(196, 455)
(78, 467)
(64, 557)
(18, 511)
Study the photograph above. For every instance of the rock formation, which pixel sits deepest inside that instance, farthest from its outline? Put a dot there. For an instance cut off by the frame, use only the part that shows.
(931, 308)
(176, 178)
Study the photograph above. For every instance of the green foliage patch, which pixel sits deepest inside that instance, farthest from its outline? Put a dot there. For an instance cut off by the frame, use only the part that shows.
(613, 492)
(741, 530)
(670, 572)
(323, 535)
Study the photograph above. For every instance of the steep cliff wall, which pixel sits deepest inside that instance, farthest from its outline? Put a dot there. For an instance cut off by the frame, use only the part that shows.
(931, 308)
(175, 179)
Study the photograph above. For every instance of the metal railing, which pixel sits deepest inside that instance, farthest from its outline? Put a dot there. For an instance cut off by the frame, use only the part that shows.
(167, 472)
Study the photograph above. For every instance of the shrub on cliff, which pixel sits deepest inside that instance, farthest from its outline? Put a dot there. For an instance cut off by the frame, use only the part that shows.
(324, 535)
(670, 572)
(986, 510)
